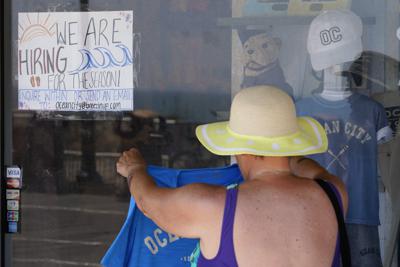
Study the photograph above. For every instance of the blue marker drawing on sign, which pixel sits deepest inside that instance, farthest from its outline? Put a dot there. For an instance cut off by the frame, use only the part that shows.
(89, 61)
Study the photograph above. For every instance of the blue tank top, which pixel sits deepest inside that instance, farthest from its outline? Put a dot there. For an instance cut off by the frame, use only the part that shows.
(226, 253)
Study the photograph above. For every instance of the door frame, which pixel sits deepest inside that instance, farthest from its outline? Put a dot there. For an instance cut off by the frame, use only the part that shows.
(6, 124)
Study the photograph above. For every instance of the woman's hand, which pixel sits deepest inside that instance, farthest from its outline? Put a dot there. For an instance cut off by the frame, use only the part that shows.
(305, 167)
(308, 168)
(130, 162)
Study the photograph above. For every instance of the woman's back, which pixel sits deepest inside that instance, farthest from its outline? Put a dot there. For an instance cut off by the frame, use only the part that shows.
(282, 221)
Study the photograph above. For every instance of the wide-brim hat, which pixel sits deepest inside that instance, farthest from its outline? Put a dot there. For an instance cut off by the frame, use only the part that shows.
(263, 122)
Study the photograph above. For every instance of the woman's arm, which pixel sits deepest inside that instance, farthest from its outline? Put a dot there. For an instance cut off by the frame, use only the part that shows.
(187, 211)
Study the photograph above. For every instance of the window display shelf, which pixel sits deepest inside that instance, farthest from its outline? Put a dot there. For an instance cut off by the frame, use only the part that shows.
(242, 22)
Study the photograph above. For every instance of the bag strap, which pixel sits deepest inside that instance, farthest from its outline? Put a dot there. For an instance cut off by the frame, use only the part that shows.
(344, 240)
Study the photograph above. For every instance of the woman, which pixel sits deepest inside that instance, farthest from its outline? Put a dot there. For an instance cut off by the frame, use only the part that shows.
(279, 216)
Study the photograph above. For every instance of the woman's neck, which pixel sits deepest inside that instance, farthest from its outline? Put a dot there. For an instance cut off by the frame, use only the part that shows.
(268, 166)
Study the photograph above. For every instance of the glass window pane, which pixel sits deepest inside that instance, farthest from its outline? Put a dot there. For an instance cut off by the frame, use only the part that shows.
(179, 67)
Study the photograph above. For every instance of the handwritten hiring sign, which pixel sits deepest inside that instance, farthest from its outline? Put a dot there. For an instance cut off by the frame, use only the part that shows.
(76, 61)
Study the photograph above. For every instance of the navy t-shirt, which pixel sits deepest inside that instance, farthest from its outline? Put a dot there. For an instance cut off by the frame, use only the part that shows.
(353, 126)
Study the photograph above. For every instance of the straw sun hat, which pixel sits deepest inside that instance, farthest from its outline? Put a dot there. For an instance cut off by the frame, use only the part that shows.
(263, 122)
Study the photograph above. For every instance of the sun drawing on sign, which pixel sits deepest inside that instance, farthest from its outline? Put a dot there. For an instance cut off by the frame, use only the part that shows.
(42, 27)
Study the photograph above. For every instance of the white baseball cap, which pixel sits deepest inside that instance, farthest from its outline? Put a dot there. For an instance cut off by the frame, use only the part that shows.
(334, 38)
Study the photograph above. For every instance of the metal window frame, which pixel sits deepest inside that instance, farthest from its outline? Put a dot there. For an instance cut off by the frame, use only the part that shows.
(6, 124)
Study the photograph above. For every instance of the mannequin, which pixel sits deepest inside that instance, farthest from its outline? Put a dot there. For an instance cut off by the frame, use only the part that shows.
(353, 123)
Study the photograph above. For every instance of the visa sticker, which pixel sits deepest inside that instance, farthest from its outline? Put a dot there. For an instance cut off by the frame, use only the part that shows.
(13, 172)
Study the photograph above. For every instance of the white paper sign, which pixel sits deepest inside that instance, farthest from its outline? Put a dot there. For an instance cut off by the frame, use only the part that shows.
(76, 61)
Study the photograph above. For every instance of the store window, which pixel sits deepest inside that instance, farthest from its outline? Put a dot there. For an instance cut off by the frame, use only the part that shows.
(88, 79)
(73, 201)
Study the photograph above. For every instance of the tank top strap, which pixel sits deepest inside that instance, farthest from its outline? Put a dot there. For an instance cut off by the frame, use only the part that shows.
(342, 236)
(229, 217)
(226, 252)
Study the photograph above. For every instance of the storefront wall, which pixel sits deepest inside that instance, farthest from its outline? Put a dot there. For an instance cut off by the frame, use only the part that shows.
(185, 61)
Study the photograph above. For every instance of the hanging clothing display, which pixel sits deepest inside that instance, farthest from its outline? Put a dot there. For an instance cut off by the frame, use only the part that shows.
(353, 125)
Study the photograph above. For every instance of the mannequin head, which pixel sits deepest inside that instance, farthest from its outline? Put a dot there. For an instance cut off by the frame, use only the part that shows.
(334, 38)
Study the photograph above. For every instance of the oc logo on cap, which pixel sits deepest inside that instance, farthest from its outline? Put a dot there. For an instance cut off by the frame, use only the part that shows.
(332, 35)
